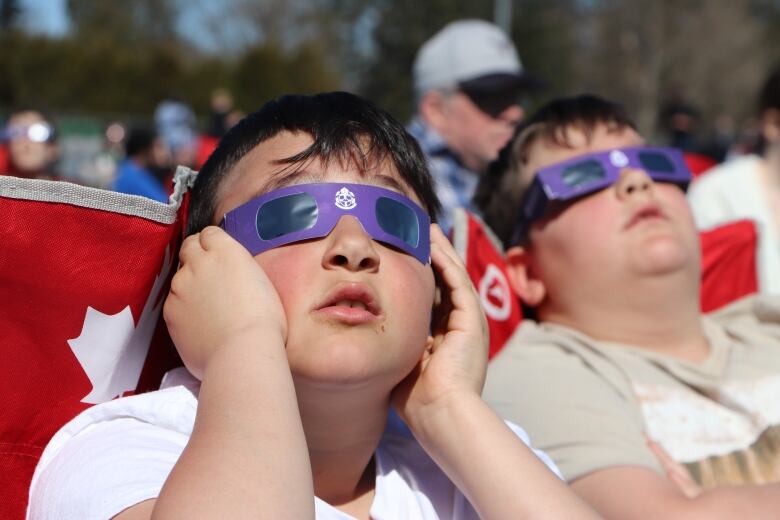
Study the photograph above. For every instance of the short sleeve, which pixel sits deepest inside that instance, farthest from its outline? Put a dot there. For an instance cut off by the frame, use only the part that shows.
(582, 420)
(105, 469)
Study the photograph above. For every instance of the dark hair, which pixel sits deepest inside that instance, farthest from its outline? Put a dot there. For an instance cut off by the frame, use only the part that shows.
(139, 140)
(768, 99)
(344, 127)
(770, 93)
(502, 188)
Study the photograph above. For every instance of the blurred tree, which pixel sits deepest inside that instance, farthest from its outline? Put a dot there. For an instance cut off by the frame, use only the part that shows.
(546, 36)
(647, 51)
(123, 57)
(128, 23)
(400, 27)
(267, 71)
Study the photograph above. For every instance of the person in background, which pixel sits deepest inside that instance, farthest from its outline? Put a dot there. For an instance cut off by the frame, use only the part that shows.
(221, 105)
(748, 187)
(468, 81)
(144, 157)
(32, 149)
(176, 124)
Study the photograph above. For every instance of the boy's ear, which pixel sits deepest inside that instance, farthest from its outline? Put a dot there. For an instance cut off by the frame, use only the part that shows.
(522, 277)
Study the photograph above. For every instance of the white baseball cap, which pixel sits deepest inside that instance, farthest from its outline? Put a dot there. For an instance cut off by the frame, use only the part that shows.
(470, 53)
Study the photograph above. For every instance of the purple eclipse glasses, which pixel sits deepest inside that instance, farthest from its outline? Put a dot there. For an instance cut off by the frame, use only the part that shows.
(307, 211)
(592, 172)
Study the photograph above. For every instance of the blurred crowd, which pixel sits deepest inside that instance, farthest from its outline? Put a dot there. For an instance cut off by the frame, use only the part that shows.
(138, 156)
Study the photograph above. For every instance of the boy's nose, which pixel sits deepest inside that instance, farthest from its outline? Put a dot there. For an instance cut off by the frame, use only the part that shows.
(350, 247)
(634, 182)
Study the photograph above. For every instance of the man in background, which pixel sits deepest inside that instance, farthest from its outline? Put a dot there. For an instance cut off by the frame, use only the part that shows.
(468, 80)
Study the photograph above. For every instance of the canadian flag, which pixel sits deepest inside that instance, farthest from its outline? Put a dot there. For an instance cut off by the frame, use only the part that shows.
(83, 275)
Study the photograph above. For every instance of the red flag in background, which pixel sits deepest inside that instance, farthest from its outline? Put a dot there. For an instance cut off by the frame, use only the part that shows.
(483, 255)
(83, 275)
(728, 263)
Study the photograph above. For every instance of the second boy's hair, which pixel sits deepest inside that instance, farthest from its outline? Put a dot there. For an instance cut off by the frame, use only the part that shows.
(345, 128)
(502, 188)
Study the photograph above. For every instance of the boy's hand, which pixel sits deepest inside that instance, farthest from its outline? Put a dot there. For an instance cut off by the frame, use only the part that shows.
(455, 360)
(219, 293)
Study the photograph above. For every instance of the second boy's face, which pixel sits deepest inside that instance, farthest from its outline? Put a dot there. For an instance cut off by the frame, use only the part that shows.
(357, 310)
(635, 228)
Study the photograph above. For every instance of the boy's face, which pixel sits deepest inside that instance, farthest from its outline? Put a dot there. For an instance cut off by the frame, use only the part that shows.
(357, 310)
(634, 228)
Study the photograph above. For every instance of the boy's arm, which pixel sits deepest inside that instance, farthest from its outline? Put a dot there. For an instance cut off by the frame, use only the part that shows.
(247, 455)
(440, 401)
(637, 492)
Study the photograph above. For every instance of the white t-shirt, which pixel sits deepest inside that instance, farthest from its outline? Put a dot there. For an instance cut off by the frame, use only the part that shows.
(117, 454)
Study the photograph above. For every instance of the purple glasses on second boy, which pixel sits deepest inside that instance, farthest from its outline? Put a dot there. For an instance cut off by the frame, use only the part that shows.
(592, 172)
(307, 211)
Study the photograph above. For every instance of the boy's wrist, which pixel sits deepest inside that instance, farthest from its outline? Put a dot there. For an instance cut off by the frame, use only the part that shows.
(445, 413)
(243, 345)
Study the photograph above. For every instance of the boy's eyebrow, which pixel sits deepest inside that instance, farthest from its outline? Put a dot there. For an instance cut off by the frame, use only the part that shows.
(282, 179)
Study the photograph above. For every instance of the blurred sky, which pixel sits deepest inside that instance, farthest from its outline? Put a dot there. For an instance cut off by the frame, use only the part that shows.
(45, 16)
(50, 17)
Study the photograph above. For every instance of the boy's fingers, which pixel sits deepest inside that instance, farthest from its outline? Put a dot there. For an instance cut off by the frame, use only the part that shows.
(211, 237)
(438, 237)
(451, 272)
(188, 248)
(450, 263)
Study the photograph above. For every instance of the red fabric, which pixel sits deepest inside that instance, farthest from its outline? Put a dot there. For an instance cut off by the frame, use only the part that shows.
(5, 164)
(206, 145)
(728, 261)
(698, 163)
(57, 261)
(487, 270)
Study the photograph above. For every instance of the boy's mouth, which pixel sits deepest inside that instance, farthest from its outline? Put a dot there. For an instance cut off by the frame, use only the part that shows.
(350, 302)
(651, 211)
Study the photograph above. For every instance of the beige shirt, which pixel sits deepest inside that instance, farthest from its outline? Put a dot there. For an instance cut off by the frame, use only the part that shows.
(590, 405)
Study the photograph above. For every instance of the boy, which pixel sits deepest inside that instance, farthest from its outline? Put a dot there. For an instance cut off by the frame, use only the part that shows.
(622, 380)
(302, 348)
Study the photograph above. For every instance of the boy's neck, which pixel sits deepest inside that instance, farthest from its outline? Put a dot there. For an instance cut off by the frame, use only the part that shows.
(658, 314)
(343, 430)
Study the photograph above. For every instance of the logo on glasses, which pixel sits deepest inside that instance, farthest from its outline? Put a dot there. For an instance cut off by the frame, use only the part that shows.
(345, 199)
(618, 158)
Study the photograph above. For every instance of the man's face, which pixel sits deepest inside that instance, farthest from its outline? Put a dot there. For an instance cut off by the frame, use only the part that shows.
(357, 311)
(475, 136)
(28, 156)
(598, 244)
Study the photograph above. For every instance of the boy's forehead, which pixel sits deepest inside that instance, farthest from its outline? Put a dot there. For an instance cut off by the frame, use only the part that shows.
(544, 152)
(261, 171)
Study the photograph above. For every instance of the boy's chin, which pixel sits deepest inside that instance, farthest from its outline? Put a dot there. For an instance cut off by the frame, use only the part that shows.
(664, 256)
(352, 368)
